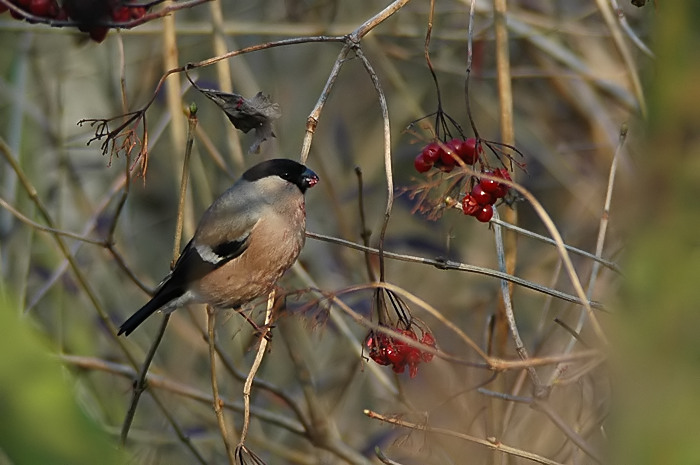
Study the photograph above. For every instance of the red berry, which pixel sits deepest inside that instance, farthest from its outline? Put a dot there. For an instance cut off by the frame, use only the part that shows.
(137, 12)
(489, 185)
(376, 343)
(121, 14)
(446, 155)
(431, 152)
(421, 164)
(428, 340)
(61, 14)
(98, 33)
(481, 196)
(468, 151)
(412, 371)
(485, 214)
(455, 145)
(395, 354)
(501, 192)
(446, 168)
(502, 188)
(469, 205)
(413, 356)
(44, 8)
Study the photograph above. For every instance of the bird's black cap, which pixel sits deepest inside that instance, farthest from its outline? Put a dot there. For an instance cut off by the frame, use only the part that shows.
(289, 170)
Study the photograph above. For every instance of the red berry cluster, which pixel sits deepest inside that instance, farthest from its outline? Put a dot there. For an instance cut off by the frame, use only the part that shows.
(41, 8)
(89, 15)
(442, 156)
(479, 201)
(386, 350)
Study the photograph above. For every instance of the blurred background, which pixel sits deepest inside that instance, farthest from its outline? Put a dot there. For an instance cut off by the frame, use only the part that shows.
(559, 80)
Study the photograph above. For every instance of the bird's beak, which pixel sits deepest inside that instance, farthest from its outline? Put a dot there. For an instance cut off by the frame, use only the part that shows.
(310, 179)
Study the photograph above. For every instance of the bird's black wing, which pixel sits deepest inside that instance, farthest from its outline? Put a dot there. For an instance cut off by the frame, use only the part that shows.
(194, 263)
(198, 261)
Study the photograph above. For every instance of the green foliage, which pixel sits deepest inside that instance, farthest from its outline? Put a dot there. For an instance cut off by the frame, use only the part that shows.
(41, 421)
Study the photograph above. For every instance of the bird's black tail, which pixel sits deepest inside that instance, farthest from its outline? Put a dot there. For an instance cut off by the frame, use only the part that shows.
(158, 300)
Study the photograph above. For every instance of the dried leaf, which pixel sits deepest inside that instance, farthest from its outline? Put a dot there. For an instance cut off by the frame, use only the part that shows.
(256, 113)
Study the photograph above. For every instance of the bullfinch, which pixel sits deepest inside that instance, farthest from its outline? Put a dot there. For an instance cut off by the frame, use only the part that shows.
(243, 244)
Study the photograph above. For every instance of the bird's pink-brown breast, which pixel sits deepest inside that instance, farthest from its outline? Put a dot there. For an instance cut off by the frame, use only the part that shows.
(275, 243)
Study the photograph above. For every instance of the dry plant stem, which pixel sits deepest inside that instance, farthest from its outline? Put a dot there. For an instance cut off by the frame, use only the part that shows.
(218, 409)
(312, 119)
(493, 363)
(563, 253)
(606, 263)
(365, 233)
(262, 385)
(247, 387)
(623, 48)
(191, 130)
(505, 105)
(223, 72)
(629, 31)
(140, 384)
(351, 40)
(342, 326)
(77, 271)
(491, 443)
(506, 293)
(90, 225)
(383, 458)
(322, 432)
(258, 383)
(426, 53)
(539, 38)
(167, 384)
(172, 93)
(544, 407)
(127, 164)
(457, 266)
(37, 226)
(399, 336)
(470, 40)
(600, 243)
(387, 157)
(470, 58)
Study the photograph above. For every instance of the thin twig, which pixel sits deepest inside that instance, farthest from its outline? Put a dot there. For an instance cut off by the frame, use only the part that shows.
(37, 226)
(387, 157)
(365, 233)
(218, 410)
(457, 266)
(508, 307)
(140, 383)
(491, 443)
(600, 243)
(155, 381)
(262, 347)
(525, 232)
(312, 119)
(563, 253)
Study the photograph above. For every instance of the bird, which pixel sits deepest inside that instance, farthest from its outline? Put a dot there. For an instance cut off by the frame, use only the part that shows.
(243, 244)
